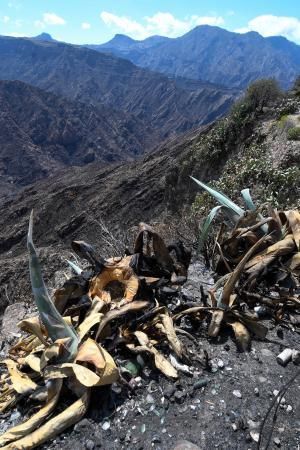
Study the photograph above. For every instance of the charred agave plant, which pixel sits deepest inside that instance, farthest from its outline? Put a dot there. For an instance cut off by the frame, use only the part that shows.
(258, 261)
(62, 355)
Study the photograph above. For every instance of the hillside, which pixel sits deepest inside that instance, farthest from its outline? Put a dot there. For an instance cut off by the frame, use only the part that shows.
(41, 133)
(210, 53)
(234, 153)
(95, 78)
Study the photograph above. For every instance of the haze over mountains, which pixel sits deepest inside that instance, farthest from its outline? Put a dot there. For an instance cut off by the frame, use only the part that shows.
(213, 54)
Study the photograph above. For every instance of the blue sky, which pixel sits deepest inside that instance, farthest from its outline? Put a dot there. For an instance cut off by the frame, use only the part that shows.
(96, 21)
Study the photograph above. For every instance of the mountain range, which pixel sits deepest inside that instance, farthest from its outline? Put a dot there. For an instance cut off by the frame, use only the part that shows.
(100, 79)
(213, 54)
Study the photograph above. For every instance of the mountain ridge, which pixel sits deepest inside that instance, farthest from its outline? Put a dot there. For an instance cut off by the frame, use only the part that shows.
(92, 77)
(209, 53)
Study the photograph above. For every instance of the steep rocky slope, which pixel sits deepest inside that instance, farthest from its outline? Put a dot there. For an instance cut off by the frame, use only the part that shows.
(210, 53)
(41, 133)
(233, 154)
(99, 79)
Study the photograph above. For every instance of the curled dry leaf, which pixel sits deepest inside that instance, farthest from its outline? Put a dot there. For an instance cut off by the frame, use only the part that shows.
(159, 360)
(121, 272)
(18, 432)
(19, 380)
(241, 333)
(215, 323)
(54, 426)
(169, 331)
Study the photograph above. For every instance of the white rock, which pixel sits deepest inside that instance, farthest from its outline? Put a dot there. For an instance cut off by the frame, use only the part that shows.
(237, 394)
(254, 435)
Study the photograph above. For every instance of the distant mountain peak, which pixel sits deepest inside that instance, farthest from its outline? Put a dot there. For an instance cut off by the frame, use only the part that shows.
(44, 37)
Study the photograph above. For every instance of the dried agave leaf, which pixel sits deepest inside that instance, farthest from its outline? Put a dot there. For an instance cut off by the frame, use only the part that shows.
(55, 325)
(170, 333)
(120, 272)
(234, 276)
(254, 326)
(294, 221)
(160, 249)
(90, 352)
(241, 334)
(37, 419)
(159, 360)
(54, 426)
(262, 259)
(115, 313)
(84, 375)
(33, 361)
(25, 346)
(19, 380)
(88, 323)
(106, 375)
(294, 264)
(192, 310)
(56, 351)
(34, 326)
(215, 323)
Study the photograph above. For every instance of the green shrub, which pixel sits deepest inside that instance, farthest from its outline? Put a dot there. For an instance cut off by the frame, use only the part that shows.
(293, 134)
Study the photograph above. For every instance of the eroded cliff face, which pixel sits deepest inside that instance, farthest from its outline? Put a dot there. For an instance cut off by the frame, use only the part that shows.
(41, 133)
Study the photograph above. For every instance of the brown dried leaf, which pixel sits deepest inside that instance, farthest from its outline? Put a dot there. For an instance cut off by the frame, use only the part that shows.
(37, 419)
(241, 334)
(294, 222)
(170, 333)
(159, 360)
(54, 426)
(19, 380)
(33, 326)
(215, 323)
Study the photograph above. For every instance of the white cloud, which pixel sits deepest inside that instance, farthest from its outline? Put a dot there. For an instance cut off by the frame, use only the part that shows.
(85, 25)
(53, 19)
(269, 25)
(5, 19)
(161, 23)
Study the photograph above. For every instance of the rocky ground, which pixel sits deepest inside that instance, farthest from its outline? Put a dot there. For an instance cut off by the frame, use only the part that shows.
(221, 406)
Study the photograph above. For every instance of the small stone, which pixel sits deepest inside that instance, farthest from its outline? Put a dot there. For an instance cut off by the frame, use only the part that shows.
(179, 396)
(150, 399)
(289, 408)
(254, 435)
(185, 445)
(262, 379)
(169, 391)
(89, 445)
(275, 392)
(105, 426)
(234, 427)
(277, 441)
(156, 440)
(266, 353)
(221, 364)
(256, 392)
(296, 357)
(237, 394)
